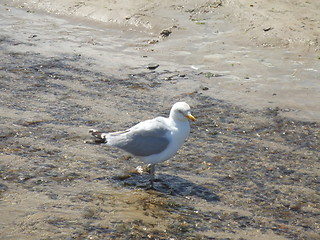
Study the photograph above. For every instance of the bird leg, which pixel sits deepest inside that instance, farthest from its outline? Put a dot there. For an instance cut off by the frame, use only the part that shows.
(151, 174)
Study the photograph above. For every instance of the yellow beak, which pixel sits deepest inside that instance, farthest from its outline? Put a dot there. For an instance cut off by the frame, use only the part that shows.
(192, 118)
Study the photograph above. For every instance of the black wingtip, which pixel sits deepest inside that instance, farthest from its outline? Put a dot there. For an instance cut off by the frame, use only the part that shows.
(98, 135)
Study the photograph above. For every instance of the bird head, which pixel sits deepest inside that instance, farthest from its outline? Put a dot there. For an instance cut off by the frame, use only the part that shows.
(181, 111)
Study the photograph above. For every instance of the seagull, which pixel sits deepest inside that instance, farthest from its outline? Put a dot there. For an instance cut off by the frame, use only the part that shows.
(152, 141)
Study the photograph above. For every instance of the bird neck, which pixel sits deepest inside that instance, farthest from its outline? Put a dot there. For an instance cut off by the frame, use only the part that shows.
(177, 123)
(177, 117)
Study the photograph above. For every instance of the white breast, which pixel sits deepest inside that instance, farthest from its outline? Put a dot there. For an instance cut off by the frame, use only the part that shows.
(177, 137)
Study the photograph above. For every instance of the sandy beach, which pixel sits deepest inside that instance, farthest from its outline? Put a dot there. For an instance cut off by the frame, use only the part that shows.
(249, 70)
(266, 52)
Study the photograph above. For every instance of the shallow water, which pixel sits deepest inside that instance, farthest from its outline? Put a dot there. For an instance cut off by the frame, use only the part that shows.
(253, 77)
(243, 173)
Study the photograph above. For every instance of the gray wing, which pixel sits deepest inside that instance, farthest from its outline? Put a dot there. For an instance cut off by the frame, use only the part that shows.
(145, 141)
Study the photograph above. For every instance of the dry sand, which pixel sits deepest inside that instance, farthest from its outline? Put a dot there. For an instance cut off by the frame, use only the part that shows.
(266, 23)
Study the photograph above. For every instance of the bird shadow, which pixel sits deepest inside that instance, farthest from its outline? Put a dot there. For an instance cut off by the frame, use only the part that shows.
(168, 184)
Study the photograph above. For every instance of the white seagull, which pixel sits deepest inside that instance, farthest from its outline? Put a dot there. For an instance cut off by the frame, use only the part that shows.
(155, 140)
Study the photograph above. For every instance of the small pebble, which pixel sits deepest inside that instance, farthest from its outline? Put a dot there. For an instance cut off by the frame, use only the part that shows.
(165, 33)
(152, 66)
(267, 29)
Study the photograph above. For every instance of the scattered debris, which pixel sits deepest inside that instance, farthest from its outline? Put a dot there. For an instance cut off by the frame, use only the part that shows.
(267, 29)
(152, 66)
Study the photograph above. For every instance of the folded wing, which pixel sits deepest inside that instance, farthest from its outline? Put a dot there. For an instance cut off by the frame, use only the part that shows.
(144, 139)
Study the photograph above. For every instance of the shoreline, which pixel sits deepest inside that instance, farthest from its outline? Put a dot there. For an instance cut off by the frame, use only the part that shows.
(292, 24)
(258, 68)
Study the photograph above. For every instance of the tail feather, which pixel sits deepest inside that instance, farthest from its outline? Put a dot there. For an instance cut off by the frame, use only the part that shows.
(100, 136)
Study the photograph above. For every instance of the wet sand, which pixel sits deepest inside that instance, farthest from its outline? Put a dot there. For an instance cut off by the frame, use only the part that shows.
(250, 169)
(266, 54)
